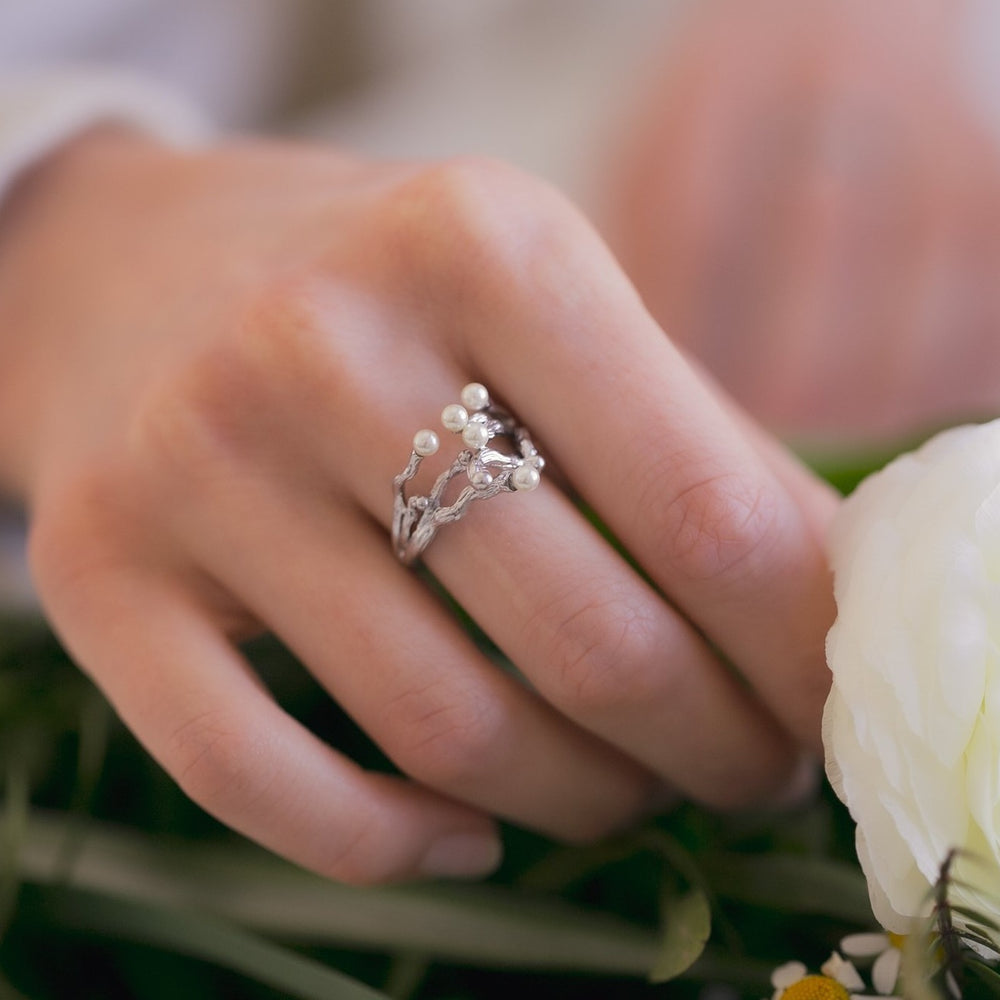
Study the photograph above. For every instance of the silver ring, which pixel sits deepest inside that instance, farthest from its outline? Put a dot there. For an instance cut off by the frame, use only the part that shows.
(487, 471)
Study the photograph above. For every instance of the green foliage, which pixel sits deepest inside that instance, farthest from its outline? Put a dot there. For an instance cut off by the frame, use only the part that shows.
(986, 976)
(844, 466)
(687, 924)
(791, 883)
(113, 885)
(187, 932)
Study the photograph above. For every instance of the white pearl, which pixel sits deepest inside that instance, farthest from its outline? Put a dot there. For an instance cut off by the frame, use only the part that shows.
(537, 461)
(480, 478)
(454, 417)
(475, 397)
(525, 477)
(476, 435)
(425, 443)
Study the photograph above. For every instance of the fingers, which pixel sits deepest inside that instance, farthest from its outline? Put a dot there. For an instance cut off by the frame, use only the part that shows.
(816, 498)
(603, 647)
(626, 691)
(592, 637)
(399, 663)
(598, 642)
(646, 444)
(547, 319)
(946, 305)
(202, 713)
(695, 193)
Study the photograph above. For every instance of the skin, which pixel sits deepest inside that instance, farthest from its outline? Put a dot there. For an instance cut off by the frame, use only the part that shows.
(809, 204)
(213, 364)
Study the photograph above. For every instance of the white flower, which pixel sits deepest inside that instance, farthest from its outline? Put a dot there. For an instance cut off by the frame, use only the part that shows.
(912, 724)
(839, 968)
(886, 949)
(838, 977)
(838, 980)
(793, 981)
(787, 975)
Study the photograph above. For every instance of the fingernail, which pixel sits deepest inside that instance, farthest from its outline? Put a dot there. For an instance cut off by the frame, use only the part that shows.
(462, 855)
(801, 786)
(662, 799)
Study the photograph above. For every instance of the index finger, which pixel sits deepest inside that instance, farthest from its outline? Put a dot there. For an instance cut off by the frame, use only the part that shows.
(719, 526)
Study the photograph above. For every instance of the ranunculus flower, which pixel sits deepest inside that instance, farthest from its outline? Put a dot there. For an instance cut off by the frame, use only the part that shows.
(912, 724)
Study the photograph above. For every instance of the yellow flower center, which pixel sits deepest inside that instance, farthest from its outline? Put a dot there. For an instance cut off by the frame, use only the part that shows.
(816, 988)
(897, 940)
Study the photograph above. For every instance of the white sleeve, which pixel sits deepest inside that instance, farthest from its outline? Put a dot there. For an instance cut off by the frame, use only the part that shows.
(41, 110)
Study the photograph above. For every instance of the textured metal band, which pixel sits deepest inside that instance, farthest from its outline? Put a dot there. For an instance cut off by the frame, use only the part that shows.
(486, 470)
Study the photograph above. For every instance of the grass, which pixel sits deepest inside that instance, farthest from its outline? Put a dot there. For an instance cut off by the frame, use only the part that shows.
(114, 885)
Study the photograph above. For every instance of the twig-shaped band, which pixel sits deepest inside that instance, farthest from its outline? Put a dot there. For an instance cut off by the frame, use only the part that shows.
(415, 521)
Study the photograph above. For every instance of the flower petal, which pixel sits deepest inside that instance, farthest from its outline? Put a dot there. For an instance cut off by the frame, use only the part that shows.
(837, 967)
(865, 945)
(788, 974)
(885, 971)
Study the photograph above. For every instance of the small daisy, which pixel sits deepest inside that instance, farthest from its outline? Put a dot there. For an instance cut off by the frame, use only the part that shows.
(886, 949)
(839, 968)
(792, 981)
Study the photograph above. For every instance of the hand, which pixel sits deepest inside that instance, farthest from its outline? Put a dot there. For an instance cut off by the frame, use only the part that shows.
(214, 366)
(807, 202)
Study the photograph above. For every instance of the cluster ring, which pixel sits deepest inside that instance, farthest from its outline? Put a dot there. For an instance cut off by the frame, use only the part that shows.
(487, 470)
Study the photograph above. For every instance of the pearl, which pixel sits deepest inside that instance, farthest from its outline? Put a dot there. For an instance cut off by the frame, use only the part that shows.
(525, 477)
(425, 443)
(454, 417)
(475, 397)
(480, 478)
(476, 435)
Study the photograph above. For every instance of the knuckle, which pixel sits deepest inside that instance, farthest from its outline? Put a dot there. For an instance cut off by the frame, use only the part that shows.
(176, 435)
(446, 736)
(54, 550)
(276, 338)
(188, 425)
(358, 856)
(196, 418)
(219, 764)
(71, 538)
(455, 193)
(717, 528)
(603, 648)
(468, 221)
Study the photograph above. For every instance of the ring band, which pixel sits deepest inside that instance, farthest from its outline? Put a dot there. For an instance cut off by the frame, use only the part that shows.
(415, 521)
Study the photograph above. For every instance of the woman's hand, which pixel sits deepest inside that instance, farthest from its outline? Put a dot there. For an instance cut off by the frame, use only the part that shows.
(807, 201)
(213, 367)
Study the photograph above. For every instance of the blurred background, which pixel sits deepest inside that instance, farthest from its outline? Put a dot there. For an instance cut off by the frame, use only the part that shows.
(520, 80)
(807, 196)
